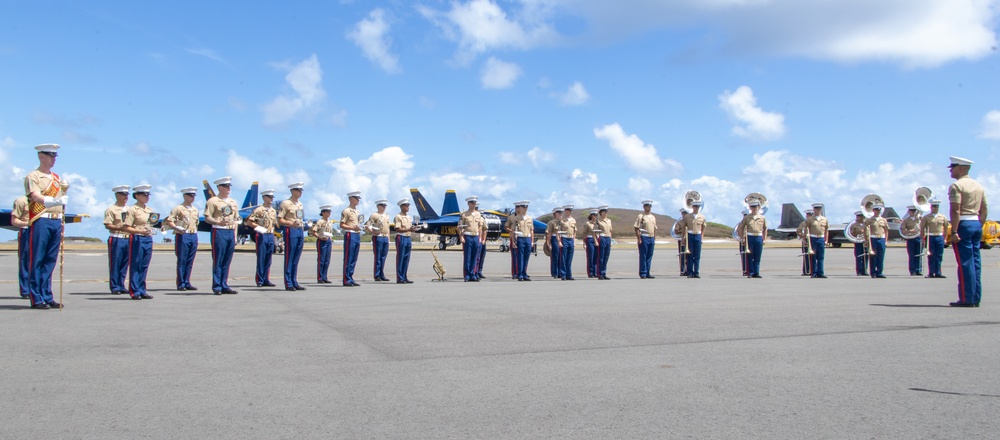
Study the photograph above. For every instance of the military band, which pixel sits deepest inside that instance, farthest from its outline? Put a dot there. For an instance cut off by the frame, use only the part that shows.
(378, 224)
(322, 230)
(403, 224)
(139, 222)
(694, 224)
(350, 224)
(602, 239)
(933, 228)
(552, 231)
(118, 240)
(753, 230)
(968, 211)
(183, 221)
(645, 236)
(914, 245)
(817, 228)
(46, 196)
(223, 214)
(472, 230)
(263, 220)
(19, 220)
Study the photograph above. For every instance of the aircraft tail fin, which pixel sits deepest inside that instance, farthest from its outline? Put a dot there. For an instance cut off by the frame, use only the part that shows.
(209, 192)
(251, 199)
(450, 203)
(890, 213)
(791, 217)
(423, 208)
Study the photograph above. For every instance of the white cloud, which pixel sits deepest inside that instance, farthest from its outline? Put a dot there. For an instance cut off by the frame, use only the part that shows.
(245, 171)
(510, 157)
(539, 156)
(575, 95)
(754, 123)
(372, 36)
(479, 26)
(638, 155)
(305, 80)
(386, 173)
(497, 74)
(912, 33)
(991, 126)
(639, 185)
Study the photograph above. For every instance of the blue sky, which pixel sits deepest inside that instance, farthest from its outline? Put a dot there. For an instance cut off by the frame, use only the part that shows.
(555, 101)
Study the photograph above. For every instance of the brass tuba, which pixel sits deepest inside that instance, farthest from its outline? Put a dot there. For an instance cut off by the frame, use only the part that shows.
(867, 209)
(691, 197)
(755, 196)
(922, 199)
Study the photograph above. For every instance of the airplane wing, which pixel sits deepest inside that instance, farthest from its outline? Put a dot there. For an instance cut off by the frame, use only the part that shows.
(6, 213)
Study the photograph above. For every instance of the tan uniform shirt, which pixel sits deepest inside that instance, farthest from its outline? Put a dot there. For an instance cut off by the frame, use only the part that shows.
(223, 209)
(402, 222)
(349, 219)
(858, 228)
(20, 210)
(265, 217)
(646, 224)
(378, 224)
(694, 223)
(138, 217)
(588, 228)
(801, 229)
(569, 227)
(473, 222)
(523, 226)
(934, 224)
(186, 218)
(603, 227)
(816, 226)
(46, 185)
(969, 195)
(878, 227)
(911, 225)
(114, 216)
(753, 224)
(321, 228)
(291, 211)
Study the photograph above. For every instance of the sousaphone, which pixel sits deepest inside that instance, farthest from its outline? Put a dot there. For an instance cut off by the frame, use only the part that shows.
(691, 197)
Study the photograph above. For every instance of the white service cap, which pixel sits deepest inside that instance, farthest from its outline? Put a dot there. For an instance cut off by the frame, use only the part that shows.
(189, 190)
(521, 203)
(877, 206)
(858, 213)
(47, 148)
(472, 199)
(647, 202)
(697, 203)
(354, 194)
(935, 202)
(754, 202)
(267, 192)
(120, 189)
(382, 202)
(955, 161)
(817, 205)
(557, 209)
(602, 208)
(143, 188)
(227, 181)
(296, 185)
(403, 202)
(593, 212)
(325, 208)
(569, 207)
(911, 208)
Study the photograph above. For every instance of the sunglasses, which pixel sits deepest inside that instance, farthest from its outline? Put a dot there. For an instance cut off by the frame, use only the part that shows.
(50, 154)
(143, 193)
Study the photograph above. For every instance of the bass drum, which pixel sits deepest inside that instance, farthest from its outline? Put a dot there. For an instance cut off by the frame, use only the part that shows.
(494, 227)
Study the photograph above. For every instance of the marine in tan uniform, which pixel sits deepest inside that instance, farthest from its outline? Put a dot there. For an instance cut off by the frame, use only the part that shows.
(753, 230)
(522, 230)
(552, 232)
(263, 220)
(933, 228)
(590, 243)
(861, 248)
(323, 231)
(968, 213)
(807, 252)
(911, 228)
(472, 231)
(645, 238)
(291, 216)
(140, 222)
(222, 212)
(183, 221)
(876, 232)
(403, 224)
(694, 224)
(817, 230)
(46, 196)
(118, 240)
(350, 224)
(602, 239)
(378, 224)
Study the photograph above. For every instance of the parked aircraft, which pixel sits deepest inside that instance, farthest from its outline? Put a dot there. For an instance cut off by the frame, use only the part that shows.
(791, 217)
(445, 225)
(5, 219)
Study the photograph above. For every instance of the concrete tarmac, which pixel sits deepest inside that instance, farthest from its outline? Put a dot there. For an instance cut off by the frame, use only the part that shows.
(718, 357)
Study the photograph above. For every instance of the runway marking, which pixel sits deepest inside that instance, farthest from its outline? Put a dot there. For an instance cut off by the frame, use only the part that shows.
(953, 393)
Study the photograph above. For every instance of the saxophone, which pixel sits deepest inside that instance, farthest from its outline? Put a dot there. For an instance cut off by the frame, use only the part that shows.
(438, 267)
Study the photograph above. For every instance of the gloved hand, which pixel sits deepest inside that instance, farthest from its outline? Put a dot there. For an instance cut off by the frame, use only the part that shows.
(260, 230)
(55, 201)
(179, 229)
(327, 234)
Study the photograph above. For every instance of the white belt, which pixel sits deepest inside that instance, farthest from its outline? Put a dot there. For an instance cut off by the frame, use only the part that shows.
(222, 227)
(960, 218)
(520, 234)
(646, 235)
(119, 235)
(25, 228)
(754, 235)
(936, 235)
(54, 215)
(877, 236)
(470, 234)
(562, 233)
(817, 236)
(604, 235)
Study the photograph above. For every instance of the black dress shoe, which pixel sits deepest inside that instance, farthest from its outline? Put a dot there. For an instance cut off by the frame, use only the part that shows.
(181, 289)
(527, 278)
(269, 284)
(137, 297)
(756, 276)
(353, 284)
(113, 292)
(290, 289)
(694, 276)
(408, 282)
(25, 296)
(962, 304)
(53, 305)
(146, 296)
(40, 306)
(216, 292)
(192, 288)
(300, 288)
(230, 291)
(941, 276)
(574, 279)
(879, 276)
(650, 277)
(400, 282)
(385, 279)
